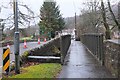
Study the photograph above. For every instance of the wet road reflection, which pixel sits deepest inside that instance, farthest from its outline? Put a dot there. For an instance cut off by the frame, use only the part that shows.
(81, 64)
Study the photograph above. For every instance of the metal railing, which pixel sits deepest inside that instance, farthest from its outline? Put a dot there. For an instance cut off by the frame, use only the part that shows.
(94, 42)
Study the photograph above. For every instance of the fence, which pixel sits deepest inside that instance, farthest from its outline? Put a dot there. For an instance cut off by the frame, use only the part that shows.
(94, 42)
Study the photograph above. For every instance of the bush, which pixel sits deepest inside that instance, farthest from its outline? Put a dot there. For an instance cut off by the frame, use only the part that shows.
(24, 56)
(55, 50)
(23, 59)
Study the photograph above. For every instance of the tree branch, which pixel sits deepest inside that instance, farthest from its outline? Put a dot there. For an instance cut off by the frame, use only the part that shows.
(113, 16)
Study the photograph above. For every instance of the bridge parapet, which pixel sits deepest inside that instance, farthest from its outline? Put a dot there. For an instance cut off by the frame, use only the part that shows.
(94, 42)
(61, 44)
(45, 49)
(112, 56)
(65, 42)
(107, 52)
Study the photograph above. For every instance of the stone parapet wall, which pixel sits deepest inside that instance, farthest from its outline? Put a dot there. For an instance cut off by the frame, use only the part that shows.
(106, 52)
(65, 42)
(112, 56)
(61, 43)
(45, 49)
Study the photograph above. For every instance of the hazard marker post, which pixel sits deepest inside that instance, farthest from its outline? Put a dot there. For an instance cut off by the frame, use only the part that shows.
(6, 60)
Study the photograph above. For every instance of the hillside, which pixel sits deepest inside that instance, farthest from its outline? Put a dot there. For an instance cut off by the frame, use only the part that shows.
(70, 21)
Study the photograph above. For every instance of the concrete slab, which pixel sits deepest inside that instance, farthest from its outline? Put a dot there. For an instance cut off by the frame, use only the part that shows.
(43, 57)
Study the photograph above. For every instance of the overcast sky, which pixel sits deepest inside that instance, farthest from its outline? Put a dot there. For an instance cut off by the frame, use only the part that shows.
(67, 7)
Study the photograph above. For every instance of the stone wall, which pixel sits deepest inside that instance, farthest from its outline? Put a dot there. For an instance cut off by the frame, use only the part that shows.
(106, 52)
(45, 49)
(112, 56)
(65, 42)
(62, 43)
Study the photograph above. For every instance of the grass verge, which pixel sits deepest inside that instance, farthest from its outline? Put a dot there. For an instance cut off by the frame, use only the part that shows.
(45, 70)
(26, 38)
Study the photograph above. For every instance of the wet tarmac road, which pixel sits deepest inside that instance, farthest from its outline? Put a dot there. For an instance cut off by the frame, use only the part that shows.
(30, 45)
(81, 64)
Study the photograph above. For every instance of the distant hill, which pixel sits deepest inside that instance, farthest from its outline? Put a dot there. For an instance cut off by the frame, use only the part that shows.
(115, 9)
(70, 21)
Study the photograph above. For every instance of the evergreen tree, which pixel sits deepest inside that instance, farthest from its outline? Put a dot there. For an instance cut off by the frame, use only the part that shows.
(50, 18)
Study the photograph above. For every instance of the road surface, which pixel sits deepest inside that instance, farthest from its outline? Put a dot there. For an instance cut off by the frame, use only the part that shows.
(81, 64)
(30, 45)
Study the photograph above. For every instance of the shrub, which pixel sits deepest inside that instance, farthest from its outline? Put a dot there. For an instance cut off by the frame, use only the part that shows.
(55, 50)
(24, 56)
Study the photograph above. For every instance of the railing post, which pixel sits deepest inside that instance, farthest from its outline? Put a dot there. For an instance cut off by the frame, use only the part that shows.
(102, 57)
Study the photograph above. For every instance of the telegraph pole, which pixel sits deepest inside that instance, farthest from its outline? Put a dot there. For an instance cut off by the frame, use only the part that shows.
(119, 11)
(119, 33)
(76, 36)
(1, 30)
(75, 20)
(16, 37)
(119, 15)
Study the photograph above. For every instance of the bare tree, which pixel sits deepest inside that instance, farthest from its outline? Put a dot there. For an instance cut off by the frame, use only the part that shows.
(90, 19)
(24, 18)
(103, 12)
(95, 15)
(112, 14)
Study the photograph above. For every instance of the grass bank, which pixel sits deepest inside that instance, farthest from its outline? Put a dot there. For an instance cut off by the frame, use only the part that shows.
(26, 38)
(45, 70)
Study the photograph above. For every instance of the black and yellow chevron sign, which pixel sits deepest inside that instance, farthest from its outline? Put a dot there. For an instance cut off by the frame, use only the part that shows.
(6, 59)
